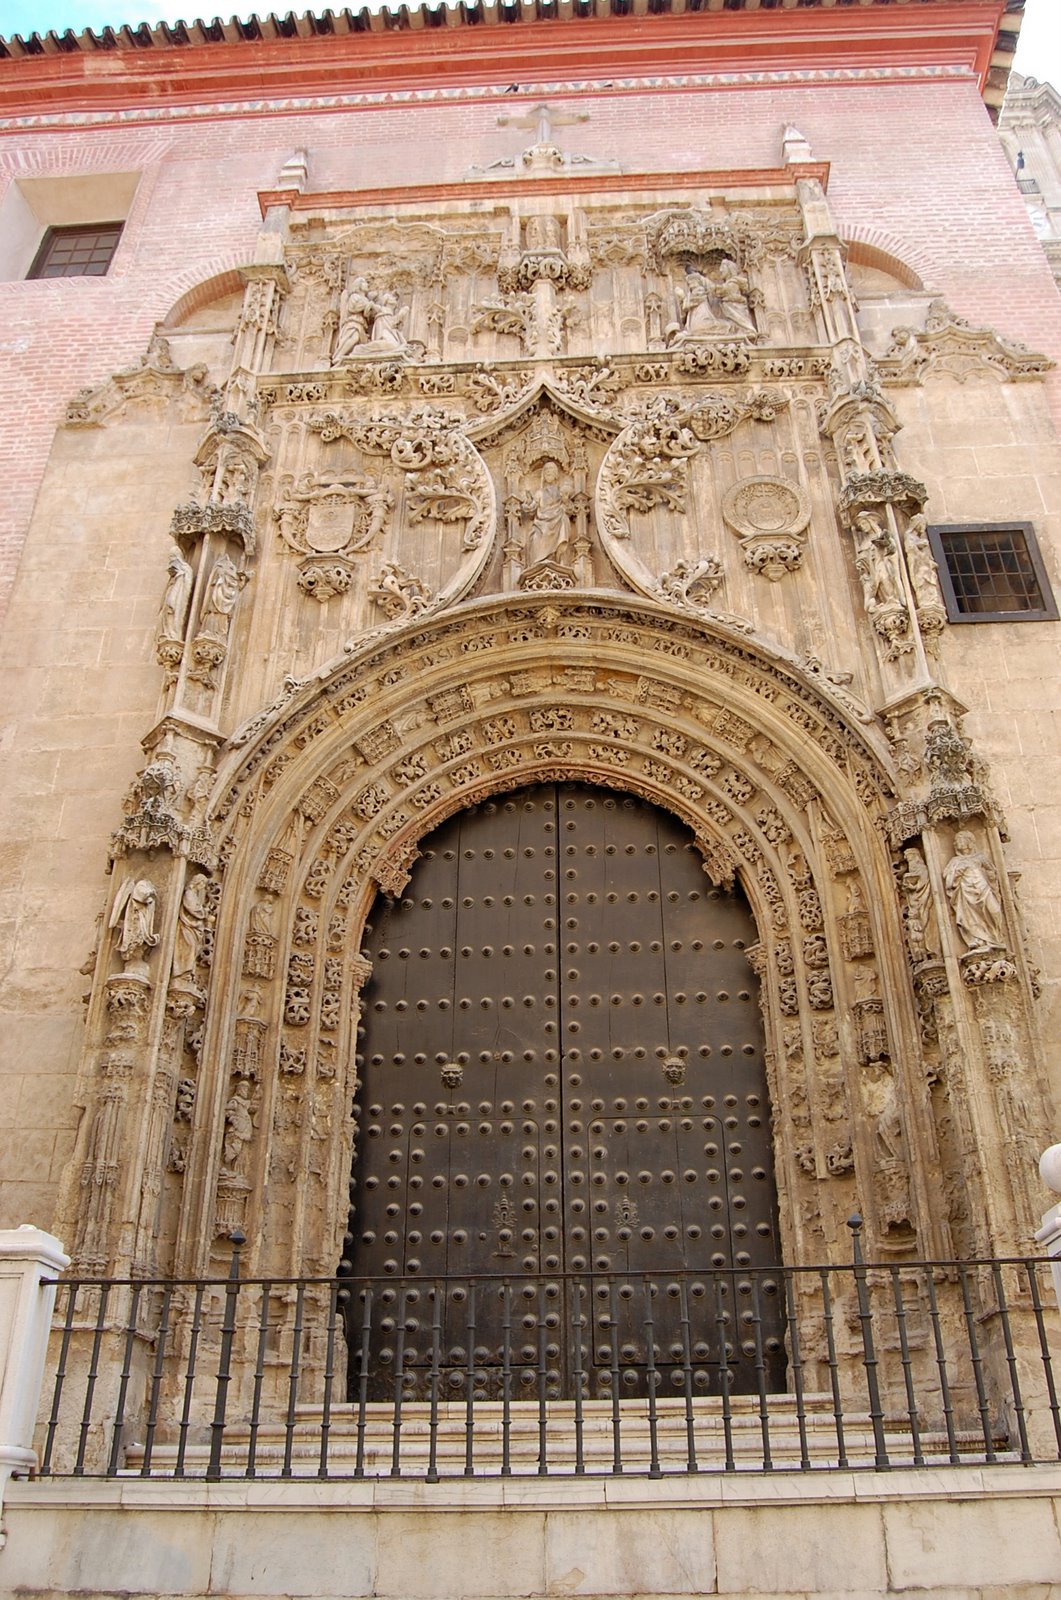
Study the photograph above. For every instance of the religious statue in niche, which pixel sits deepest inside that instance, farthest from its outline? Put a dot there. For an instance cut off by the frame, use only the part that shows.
(239, 1129)
(712, 307)
(972, 889)
(191, 926)
(219, 602)
(133, 916)
(880, 574)
(173, 613)
(372, 324)
(550, 510)
(919, 907)
(546, 510)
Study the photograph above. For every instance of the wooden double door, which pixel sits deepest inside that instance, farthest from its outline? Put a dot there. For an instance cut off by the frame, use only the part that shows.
(563, 1176)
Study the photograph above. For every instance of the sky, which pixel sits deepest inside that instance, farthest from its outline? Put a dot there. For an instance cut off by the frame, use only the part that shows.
(1039, 54)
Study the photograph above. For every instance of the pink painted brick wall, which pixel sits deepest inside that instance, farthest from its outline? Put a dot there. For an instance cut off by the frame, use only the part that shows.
(916, 167)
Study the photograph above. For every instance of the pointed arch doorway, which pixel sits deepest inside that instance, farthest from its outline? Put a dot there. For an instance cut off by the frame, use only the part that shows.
(564, 1173)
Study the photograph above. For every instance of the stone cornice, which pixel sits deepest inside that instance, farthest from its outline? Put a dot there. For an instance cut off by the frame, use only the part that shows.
(585, 40)
(567, 183)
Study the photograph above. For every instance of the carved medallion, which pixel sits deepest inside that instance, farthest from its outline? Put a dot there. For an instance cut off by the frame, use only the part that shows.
(769, 516)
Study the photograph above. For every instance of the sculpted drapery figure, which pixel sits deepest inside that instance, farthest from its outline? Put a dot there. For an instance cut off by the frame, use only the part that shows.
(239, 1127)
(222, 592)
(972, 889)
(551, 525)
(134, 916)
(733, 297)
(173, 614)
(920, 911)
(357, 310)
(697, 313)
(877, 565)
(920, 564)
(191, 926)
(370, 323)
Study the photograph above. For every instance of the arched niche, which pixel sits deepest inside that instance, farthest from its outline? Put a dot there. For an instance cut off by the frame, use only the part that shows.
(781, 782)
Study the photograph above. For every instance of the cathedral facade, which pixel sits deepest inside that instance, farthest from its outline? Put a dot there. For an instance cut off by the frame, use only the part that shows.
(531, 644)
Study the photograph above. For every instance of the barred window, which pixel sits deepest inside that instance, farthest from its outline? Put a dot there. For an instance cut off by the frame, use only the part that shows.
(992, 572)
(76, 252)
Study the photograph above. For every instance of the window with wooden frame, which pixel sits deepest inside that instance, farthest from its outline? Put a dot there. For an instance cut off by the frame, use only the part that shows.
(992, 572)
(81, 251)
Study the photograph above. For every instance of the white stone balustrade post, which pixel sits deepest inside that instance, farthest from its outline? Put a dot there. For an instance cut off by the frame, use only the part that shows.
(1049, 1234)
(28, 1258)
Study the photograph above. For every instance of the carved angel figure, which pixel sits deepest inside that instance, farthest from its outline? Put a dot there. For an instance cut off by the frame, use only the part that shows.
(134, 915)
(972, 889)
(173, 614)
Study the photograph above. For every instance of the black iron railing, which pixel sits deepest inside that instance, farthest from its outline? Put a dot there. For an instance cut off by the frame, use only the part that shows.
(866, 1365)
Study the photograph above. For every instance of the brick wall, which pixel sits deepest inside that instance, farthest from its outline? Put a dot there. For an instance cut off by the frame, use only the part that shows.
(915, 164)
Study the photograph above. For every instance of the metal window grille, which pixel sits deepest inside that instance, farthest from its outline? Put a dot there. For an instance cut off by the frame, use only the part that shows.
(992, 573)
(76, 252)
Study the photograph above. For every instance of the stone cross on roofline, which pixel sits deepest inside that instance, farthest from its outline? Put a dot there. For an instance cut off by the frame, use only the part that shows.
(543, 119)
(544, 156)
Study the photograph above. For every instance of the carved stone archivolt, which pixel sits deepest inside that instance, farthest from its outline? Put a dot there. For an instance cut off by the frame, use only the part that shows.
(743, 748)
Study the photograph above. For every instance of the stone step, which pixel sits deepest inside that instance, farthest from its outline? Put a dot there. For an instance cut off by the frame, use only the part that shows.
(377, 1438)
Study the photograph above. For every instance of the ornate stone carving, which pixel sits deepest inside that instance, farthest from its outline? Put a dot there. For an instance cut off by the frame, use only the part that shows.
(867, 490)
(647, 466)
(948, 344)
(327, 520)
(210, 645)
(398, 594)
(446, 479)
(133, 916)
(712, 308)
(877, 565)
(919, 909)
(692, 584)
(156, 378)
(371, 325)
(151, 820)
(538, 326)
(536, 251)
(259, 951)
(769, 516)
(972, 889)
(924, 581)
(191, 925)
(173, 613)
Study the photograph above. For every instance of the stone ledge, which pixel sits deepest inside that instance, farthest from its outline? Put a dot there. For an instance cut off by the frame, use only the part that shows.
(705, 1490)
